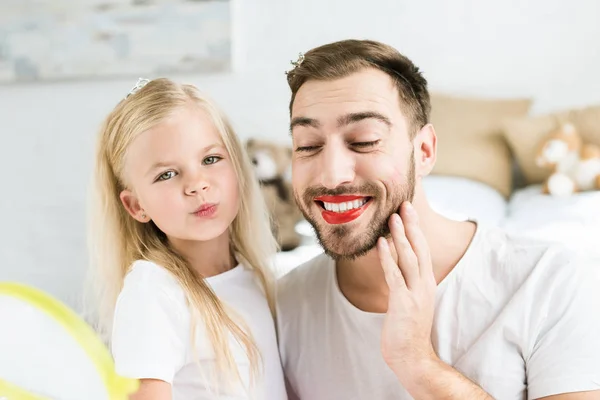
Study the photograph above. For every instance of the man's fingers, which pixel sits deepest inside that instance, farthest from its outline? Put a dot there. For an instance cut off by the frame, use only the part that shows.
(407, 260)
(392, 273)
(416, 238)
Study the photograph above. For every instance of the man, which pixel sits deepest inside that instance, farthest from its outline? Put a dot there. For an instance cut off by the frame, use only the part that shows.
(439, 309)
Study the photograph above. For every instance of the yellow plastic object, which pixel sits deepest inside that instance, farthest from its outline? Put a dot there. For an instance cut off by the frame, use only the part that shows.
(117, 387)
(9, 391)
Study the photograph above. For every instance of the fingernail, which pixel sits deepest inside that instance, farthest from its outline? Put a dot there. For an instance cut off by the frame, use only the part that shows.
(396, 219)
(410, 209)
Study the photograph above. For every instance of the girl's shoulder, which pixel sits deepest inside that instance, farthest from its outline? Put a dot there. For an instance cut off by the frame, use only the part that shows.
(148, 272)
(151, 277)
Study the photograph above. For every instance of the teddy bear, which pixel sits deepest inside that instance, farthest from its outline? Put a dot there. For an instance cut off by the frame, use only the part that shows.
(574, 165)
(272, 163)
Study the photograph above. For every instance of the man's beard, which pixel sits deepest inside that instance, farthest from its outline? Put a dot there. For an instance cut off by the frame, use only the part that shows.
(339, 241)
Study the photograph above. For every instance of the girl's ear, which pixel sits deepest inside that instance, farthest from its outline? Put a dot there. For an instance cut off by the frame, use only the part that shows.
(133, 207)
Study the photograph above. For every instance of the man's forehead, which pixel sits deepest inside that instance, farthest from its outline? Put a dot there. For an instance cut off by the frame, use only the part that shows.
(368, 90)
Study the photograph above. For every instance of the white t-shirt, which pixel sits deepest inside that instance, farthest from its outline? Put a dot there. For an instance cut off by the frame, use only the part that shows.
(519, 318)
(151, 335)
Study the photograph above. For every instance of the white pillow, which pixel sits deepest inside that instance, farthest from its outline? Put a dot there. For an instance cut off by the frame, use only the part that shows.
(462, 198)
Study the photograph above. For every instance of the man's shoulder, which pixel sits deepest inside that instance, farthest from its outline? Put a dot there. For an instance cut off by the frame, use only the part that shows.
(517, 254)
(516, 248)
(501, 239)
(305, 274)
(300, 304)
(305, 280)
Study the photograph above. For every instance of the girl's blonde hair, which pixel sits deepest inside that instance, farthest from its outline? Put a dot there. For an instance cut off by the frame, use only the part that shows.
(117, 239)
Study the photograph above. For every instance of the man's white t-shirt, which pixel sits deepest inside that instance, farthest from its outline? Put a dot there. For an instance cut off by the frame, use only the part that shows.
(519, 318)
(151, 335)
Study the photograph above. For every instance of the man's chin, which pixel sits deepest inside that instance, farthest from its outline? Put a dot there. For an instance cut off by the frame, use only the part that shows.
(352, 252)
(348, 240)
(352, 240)
(340, 243)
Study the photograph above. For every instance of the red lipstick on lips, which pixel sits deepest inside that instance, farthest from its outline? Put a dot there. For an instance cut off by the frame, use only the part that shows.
(206, 210)
(335, 218)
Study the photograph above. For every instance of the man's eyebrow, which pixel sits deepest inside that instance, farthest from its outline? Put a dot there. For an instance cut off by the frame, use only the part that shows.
(304, 121)
(360, 116)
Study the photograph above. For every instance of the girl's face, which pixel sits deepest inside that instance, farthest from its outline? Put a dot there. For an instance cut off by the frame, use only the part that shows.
(180, 176)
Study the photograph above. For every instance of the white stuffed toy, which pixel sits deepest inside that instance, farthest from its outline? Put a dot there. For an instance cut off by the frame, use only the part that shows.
(575, 167)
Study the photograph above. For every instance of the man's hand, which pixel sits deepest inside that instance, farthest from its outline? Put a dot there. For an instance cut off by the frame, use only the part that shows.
(406, 337)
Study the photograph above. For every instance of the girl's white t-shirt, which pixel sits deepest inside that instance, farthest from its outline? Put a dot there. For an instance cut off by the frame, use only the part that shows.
(151, 335)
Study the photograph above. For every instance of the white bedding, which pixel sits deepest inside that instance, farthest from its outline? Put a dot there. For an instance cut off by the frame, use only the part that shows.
(573, 221)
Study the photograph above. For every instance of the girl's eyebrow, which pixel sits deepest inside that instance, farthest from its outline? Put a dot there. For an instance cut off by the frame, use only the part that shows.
(159, 165)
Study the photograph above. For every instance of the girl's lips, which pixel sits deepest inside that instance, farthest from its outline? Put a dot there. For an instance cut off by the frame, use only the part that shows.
(206, 210)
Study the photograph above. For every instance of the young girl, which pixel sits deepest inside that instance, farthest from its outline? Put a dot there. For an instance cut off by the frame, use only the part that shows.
(182, 240)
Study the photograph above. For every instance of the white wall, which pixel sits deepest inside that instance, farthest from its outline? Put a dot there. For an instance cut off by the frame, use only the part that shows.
(547, 49)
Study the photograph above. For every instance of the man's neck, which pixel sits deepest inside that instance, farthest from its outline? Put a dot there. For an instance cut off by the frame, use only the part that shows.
(362, 280)
(208, 258)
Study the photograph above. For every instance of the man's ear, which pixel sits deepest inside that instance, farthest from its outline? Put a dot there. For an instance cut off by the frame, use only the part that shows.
(132, 205)
(425, 145)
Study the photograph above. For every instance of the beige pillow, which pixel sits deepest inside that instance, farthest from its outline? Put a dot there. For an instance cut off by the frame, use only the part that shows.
(470, 142)
(525, 135)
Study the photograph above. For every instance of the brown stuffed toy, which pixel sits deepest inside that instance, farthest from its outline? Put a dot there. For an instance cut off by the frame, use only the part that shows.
(271, 163)
(575, 166)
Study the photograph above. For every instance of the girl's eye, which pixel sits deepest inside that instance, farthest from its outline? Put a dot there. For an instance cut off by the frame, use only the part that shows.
(211, 160)
(166, 176)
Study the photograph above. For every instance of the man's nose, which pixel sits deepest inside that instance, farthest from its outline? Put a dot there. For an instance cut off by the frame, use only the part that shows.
(337, 167)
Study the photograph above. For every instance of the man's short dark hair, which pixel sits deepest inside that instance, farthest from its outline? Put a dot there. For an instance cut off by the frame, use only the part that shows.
(340, 59)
